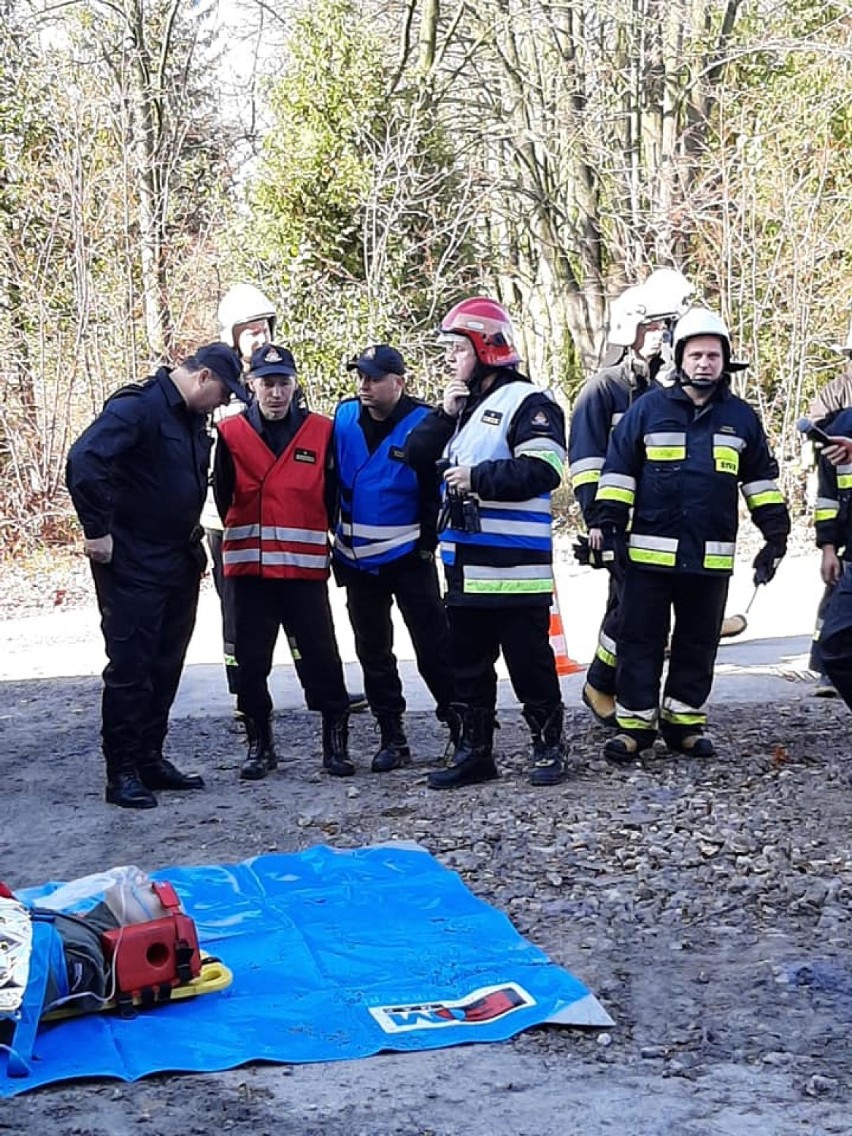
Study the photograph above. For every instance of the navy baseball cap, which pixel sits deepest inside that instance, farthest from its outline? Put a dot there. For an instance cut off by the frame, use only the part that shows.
(272, 360)
(378, 361)
(225, 364)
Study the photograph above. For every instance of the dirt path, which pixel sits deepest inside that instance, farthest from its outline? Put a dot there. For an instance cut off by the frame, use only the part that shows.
(707, 906)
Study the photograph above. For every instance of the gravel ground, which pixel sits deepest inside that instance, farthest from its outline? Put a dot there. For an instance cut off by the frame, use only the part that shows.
(707, 905)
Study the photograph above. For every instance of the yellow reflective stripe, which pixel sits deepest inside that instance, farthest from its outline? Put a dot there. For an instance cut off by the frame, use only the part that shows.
(548, 456)
(770, 497)
(614, 493)
(503, 587)
(605, 656)
(719, 562)
(683, 718)
(650, 556)
(726, 459)
(666, 453)
(844, 481)
(589, 477)
(827, 514)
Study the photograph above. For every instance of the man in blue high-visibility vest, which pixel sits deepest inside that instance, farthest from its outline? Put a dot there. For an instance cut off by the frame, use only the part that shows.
(384, 545)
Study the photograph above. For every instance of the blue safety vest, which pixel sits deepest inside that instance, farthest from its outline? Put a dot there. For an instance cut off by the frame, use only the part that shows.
(379, 494)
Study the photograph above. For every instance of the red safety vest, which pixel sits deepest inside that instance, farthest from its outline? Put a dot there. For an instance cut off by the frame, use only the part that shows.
(277, 525)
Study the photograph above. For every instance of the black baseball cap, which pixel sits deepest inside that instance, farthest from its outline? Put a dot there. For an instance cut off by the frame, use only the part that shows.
(225, 364)
(378, 361)
(272, 360)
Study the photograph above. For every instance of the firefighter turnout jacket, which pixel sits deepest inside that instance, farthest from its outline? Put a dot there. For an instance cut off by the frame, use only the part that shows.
(833, 512)
(601, 404)
(678, 467)
(513, 438)
(274, 504)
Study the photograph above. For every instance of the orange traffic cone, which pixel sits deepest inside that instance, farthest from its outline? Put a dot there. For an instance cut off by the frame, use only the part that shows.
(565, 665)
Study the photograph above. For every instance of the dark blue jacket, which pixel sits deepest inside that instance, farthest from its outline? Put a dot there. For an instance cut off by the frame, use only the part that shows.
(833, 513)
(679, 468)
(139, 472)
(601, 404)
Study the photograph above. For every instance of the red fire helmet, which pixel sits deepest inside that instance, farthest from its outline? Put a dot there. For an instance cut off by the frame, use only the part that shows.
(487, 325)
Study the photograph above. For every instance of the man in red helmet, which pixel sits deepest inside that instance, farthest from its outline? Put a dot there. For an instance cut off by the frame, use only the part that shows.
(501, 444)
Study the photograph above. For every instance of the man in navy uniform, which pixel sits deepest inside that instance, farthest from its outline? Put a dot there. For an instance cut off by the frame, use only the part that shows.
(138, 477)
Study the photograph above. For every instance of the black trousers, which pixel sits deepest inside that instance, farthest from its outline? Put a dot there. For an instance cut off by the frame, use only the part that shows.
(835, 641)
(413, 583)
(601, 672)
(479, 634)
(301, 607)
(147, 627)
(648, 601)
(225, 590)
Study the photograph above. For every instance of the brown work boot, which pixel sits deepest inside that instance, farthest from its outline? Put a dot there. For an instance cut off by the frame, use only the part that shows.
(621, 749)
(601, 705)
(733, 625)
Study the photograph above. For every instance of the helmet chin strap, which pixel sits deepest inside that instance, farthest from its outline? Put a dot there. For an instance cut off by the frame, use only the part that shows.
(684, 380)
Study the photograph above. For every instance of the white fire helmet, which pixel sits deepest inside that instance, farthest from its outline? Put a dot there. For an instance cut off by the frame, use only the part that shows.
(664, 295)
(243, 303)
(700, 321)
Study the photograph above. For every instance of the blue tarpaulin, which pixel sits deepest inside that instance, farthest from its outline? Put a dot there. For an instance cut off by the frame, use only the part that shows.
(335, 955)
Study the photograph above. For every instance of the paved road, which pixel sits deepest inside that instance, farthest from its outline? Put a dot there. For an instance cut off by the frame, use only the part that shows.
(759, 666)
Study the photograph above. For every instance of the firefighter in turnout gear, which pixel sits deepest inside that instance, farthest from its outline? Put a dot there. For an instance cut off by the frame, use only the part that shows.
(384, 545)
(270, 480)
(639, 323)
(677, 459)
(833, 523)
(501, 444)
(835, 641)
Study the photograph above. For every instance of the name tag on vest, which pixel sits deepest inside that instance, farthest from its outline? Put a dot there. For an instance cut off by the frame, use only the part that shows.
(396, 453)
(492, 418)
(308, 456)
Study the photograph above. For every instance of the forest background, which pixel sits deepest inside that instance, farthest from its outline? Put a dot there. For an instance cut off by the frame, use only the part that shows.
(368, 163)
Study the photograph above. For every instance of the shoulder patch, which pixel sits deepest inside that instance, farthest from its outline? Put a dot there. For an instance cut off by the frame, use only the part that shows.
(540, 419)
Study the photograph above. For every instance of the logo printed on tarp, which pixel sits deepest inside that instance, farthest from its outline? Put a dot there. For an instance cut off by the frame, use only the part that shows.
(480, 1006)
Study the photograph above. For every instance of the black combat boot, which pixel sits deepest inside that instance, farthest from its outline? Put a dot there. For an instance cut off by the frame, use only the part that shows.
(157, 772)
(394, 751)
(471, 761)
(124, 786)
(335, 745)
(545, 723)
(261, 755)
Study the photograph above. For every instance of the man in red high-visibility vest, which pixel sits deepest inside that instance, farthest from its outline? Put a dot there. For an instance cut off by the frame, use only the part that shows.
(272, 491)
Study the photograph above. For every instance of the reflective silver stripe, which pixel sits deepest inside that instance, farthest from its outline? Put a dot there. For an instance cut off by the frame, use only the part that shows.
(295, 559)
(241, 532)
(385, 532)
(677, 707)
(448, 547)
(732, 441)
(755, 487)
(826, 503)
(618, 481)
(362, 551)
(534, 505)
(665, 439)
(616, 418)
(514, 528)
(654, 543)
(241, 556)
(649, 716)
(719, 547)
(298, 536)
(518, 572)
(843, 469)
(541, 444)
(606, 642)
(586, 463)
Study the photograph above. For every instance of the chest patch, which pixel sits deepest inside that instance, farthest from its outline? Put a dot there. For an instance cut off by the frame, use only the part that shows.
(492, 417)
(308, 456)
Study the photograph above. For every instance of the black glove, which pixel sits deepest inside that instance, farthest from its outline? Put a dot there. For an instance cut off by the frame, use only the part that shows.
(766, 562)
(604, 557)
